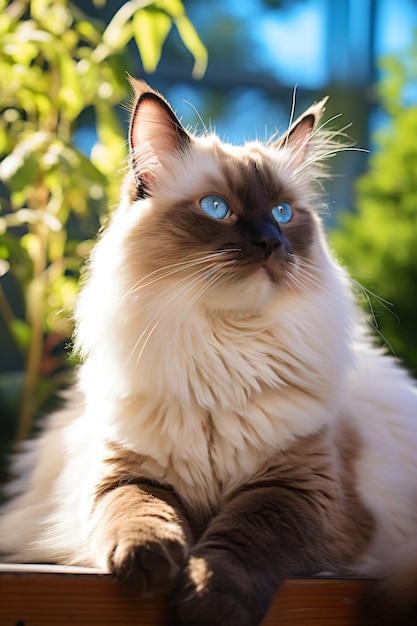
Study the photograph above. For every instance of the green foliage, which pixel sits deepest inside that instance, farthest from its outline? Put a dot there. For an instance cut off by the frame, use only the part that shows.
(58, 67)
(379, 243)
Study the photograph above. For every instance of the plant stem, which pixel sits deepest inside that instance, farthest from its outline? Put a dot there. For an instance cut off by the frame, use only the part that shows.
(36, 305)
(31, 376)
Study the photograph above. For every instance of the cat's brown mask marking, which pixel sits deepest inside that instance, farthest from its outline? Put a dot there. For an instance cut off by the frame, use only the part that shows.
(246, 179)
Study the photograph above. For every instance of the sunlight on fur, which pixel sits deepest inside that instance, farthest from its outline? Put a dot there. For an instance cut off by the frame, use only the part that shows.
(232, 423)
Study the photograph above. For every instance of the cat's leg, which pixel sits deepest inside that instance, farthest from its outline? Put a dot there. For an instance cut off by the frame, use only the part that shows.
(257, 541)
(295, 519)
(139, 532)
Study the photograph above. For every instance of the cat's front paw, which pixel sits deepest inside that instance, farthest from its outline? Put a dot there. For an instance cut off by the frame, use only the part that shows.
(148, 568)
(140, 538)
(212, 590)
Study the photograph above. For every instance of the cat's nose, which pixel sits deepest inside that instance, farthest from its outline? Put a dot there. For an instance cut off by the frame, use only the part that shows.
(268, 245)
(267, 236)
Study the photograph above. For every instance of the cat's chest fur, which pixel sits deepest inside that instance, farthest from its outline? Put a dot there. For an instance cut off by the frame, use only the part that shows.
(220, 396)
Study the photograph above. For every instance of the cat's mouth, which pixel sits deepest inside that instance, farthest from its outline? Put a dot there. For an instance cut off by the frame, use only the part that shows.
(267, 271)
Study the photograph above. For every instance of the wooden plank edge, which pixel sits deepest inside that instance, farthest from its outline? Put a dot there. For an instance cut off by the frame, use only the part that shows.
(82, 598)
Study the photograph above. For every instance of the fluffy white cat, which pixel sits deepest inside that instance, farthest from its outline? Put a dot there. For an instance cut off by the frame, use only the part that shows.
(232, 423)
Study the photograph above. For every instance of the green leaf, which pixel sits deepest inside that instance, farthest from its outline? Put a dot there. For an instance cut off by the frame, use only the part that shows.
(88, 32)
(119, 29)
(188, 34)
(81, 167)
(19, 169)
(20, 174)
(20, 331)
(193, 43)
(20, 264)
(57, 242)
(110, 151)
(54, 17)
(150, 29)
(33, 245)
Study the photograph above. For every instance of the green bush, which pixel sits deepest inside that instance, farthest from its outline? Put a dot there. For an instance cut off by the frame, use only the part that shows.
(378, 243)
(59, 69)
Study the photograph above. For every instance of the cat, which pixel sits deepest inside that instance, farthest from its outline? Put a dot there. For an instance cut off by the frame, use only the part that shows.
(232, 423)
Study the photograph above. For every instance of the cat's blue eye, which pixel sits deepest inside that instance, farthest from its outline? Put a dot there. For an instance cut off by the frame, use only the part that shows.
(215, 206)
(282, 212)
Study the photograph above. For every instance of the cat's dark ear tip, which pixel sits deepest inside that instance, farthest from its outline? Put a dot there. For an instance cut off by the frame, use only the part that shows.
(319, 107)
(312, 115)
(139, 86)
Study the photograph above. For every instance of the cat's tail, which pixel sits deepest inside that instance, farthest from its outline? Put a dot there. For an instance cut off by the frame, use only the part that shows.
(392, 599)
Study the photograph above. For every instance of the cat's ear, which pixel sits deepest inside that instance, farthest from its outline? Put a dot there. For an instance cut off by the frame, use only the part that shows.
(297, 138)
(155, 134)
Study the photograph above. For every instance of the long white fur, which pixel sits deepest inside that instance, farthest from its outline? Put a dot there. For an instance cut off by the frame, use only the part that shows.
(159, 363)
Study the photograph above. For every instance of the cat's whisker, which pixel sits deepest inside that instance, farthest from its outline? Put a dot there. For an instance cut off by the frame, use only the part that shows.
(308, 280)
(204, 125)
(307, 263)
(165, 311)
(142, 284)
(368, 295)
(199, 273)
(303, 145)
(304, 265)
(195, 257)
(331, 134)
(308, 273)
(289, 283)
(213, 280)
(301, 276)
(371, 308)
(292, 113)
(175, 268)
(325, 155)
(385, 303)
(199, 276)
(297, 282)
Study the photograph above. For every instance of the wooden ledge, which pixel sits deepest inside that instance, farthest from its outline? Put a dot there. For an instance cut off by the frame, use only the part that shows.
(54, 596)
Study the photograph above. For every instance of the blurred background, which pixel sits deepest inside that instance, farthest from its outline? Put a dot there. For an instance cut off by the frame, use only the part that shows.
(232, 66)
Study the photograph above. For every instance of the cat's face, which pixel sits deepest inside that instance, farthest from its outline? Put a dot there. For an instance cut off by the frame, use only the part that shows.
(231, 225)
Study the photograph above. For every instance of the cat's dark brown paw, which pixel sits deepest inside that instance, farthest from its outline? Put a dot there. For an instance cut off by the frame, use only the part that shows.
(212, 591)
(142, 539)
(385, 605)
(148, 569)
